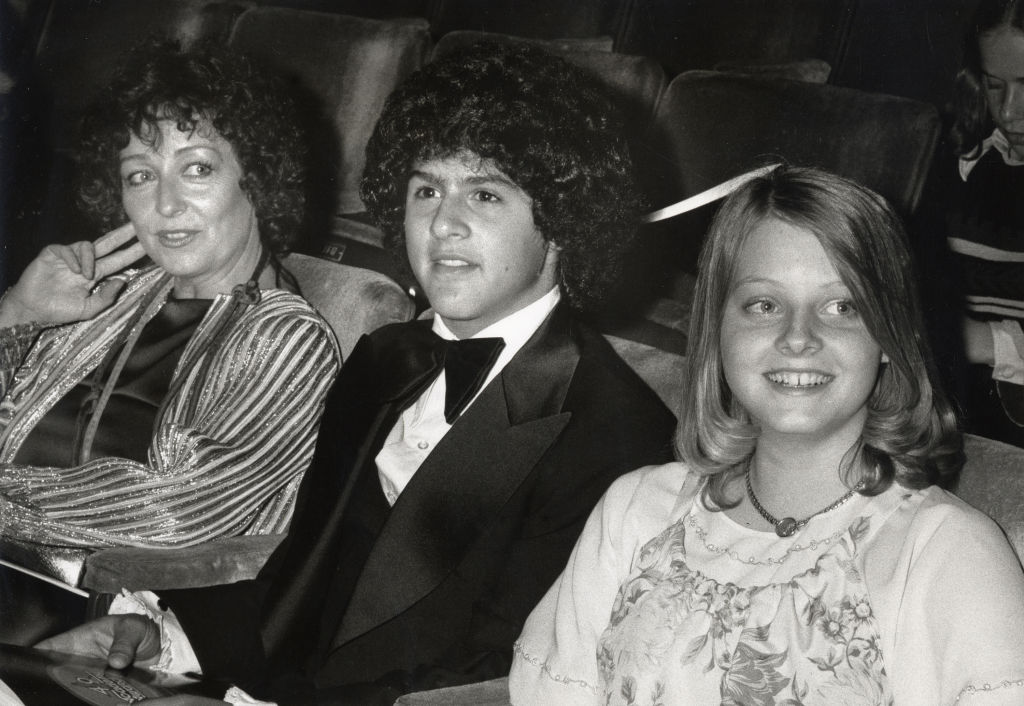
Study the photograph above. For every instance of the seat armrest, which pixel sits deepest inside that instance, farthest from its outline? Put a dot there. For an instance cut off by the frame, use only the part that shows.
(485, 693)
(219, 561)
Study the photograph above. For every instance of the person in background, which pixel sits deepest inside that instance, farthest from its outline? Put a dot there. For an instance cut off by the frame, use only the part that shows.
(459, 454)
(176, 401)
(799, 551)
(980, 210)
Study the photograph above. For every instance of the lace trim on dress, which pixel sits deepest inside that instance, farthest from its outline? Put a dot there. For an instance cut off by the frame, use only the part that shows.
(769, 561)
(971, 689)
(542, 665)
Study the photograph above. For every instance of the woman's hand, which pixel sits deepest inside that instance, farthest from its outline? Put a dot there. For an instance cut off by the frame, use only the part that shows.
(68, 283)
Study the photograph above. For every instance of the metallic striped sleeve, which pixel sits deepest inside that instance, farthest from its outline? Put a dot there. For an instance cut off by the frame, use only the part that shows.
(225, 457)
(15, 342)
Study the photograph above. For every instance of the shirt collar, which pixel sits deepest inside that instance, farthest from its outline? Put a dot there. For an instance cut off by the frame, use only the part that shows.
(996, 140)
(516, 328)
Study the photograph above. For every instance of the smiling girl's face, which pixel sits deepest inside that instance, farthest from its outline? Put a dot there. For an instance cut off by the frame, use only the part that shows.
(183, 195)
(795, 351)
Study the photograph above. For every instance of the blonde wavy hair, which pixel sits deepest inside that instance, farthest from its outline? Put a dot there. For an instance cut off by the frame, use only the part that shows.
(911, 435)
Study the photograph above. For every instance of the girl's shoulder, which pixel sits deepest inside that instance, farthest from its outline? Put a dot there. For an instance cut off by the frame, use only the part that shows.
(650, 497)
(664, 479)
(934, 519)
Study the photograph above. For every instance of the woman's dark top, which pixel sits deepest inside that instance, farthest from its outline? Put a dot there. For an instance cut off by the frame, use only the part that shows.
(126, 424)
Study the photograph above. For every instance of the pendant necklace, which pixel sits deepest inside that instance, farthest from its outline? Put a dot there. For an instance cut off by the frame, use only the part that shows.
(788, 526)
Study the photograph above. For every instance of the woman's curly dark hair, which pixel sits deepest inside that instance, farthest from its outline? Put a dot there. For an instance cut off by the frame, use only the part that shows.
(971, 120)
(245, 104)
(546, 125)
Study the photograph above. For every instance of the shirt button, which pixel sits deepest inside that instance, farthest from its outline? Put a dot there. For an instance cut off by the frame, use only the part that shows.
(423, 445)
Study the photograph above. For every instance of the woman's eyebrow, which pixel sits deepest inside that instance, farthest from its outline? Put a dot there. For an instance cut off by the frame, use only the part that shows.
(181, 150)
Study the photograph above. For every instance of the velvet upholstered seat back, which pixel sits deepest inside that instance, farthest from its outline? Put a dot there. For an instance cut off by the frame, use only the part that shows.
(718, 125)
(993, 481)
(353, 300)
(349, 64)
(634, 82)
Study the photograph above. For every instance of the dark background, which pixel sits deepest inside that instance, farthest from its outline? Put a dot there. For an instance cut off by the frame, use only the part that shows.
(53, 53)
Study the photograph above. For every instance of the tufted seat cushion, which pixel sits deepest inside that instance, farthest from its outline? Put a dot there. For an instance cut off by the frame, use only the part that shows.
(992, 480)
(351, 65)
(719, 125)
(354, 300)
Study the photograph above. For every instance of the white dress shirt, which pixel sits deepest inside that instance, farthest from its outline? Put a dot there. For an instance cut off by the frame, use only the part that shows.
(423, 425)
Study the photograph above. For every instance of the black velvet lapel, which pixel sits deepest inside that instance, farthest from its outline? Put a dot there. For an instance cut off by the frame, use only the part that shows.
(465, 482)
(386, 374)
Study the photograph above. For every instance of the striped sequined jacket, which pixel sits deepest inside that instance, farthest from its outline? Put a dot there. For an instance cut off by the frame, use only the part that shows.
(229, 445)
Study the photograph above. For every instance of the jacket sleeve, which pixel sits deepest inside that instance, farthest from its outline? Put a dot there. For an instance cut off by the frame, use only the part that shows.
(14, 344)
(223, 461)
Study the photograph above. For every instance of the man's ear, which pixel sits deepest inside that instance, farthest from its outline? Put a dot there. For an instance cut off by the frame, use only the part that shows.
(551, 253)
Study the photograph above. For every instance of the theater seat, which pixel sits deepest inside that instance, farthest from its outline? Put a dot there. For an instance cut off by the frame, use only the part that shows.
(354, 300)
(224, 560)
(486, 693)
(459, 38)
(992, 480)
(716, 125)
(697, 34)
(634, 82)
(350, 64)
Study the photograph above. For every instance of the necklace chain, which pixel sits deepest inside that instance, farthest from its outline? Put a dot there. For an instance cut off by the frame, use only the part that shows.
(702, 534)
(788, 526)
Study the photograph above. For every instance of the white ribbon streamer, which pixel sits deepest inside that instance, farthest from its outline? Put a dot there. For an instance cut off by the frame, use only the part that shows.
(706, 197)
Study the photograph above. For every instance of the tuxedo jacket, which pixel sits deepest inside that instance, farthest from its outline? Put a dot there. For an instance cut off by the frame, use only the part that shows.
(362, 602)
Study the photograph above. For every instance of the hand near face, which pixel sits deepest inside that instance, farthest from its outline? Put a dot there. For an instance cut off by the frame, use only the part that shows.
(122, 640)
(68, 283)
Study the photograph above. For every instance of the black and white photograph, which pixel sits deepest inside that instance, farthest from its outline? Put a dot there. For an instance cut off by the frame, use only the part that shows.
(512, 352)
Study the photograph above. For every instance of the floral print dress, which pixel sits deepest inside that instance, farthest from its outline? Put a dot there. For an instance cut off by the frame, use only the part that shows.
(678, 635)
(910, 597)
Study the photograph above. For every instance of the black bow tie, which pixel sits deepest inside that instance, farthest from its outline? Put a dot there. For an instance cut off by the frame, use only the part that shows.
(466, 364)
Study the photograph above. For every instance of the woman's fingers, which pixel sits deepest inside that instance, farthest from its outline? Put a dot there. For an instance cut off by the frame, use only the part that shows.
(111, 241)
(67, 254)
(112, 256)
(102, 296)
(118, 260)
(86, 258)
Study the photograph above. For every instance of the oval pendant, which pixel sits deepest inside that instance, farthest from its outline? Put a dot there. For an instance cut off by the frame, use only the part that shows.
(786, 527)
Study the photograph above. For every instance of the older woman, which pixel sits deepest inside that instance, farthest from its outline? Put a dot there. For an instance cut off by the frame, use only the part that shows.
(176, 402)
